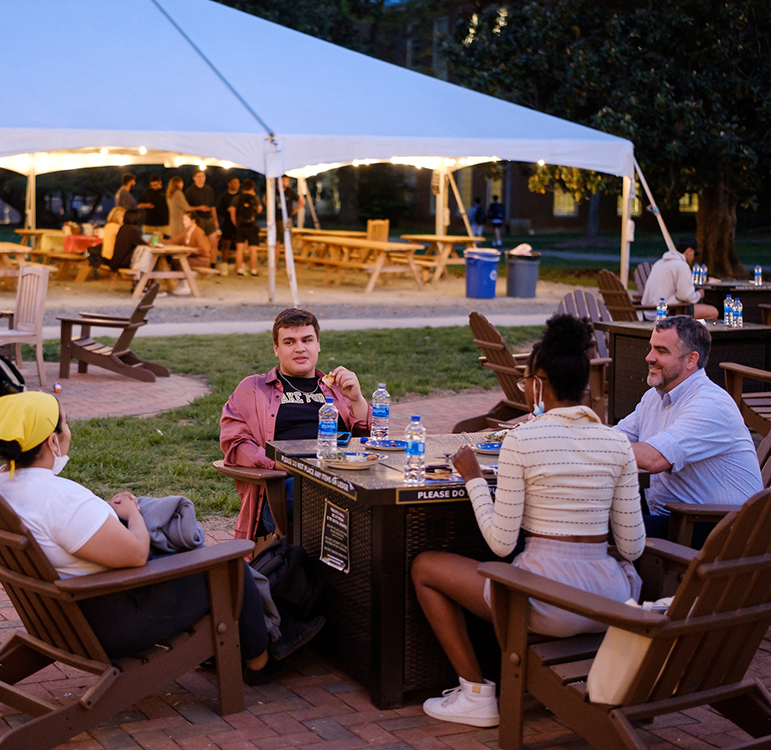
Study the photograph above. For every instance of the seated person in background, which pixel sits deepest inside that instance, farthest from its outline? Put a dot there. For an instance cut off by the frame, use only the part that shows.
(284, 405)
(671, 278)
(126, 240)
(114, 223)
(687, 431)
(80, 533)
(193, 236)
(564, 478)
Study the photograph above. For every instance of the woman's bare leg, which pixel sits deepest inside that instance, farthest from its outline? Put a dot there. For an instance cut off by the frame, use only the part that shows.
(445, 584)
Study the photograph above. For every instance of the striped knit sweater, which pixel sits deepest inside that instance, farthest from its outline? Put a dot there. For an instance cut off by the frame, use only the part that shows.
(562, 474)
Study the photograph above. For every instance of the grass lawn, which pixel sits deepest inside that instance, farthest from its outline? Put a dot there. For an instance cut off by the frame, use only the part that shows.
(172, 453)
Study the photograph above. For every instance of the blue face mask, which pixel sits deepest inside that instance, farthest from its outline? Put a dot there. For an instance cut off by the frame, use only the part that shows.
(538, 409)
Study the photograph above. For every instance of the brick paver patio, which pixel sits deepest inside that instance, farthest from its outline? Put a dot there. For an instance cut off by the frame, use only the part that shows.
(317, 707)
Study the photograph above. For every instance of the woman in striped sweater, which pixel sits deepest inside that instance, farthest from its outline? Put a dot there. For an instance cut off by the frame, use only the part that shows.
(564, 478)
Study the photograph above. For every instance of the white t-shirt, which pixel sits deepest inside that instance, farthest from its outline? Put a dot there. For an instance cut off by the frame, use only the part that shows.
(61, 514)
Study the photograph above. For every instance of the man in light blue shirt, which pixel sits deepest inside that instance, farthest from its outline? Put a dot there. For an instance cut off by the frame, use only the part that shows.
(687, 430)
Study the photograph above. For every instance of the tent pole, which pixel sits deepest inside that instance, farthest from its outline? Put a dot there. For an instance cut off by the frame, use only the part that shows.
(441, 201)
(312, 207)
(30, 218)
(626, 205)
(271, 196)
(288, 254)
(461, 207)
(654, 209)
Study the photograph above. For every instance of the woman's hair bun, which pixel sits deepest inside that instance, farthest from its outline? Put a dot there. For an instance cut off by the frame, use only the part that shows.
(568, 336)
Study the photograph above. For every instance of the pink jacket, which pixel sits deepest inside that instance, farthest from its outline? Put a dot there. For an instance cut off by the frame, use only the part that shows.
(249, 421)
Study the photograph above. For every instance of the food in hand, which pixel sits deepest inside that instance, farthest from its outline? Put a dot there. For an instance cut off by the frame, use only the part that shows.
(328, 380)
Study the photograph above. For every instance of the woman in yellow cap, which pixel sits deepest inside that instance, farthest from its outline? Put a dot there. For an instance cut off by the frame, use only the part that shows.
(80, 533)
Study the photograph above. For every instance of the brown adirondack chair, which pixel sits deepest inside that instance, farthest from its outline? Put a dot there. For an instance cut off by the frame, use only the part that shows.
(582, 304)
(508, 369)
(755, 407)
(57, 631)
(118, 358)
(617, 300)
(272, 481)
(698, 655)
(683, 516)
(641, 274)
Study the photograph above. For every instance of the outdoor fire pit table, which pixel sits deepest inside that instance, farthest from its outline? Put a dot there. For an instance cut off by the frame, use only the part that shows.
(369, 526)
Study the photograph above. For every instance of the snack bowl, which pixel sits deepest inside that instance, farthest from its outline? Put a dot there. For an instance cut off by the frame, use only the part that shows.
(352, 461)
(386, 445)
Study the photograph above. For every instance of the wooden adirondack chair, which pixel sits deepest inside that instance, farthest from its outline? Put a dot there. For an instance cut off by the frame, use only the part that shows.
(683, 516)
(699, 652)
(57, 631)
(641, 274)
(755, 407)
(617, 299)
(273, 482)
(118, 358)
(25, 322)
(508, 369)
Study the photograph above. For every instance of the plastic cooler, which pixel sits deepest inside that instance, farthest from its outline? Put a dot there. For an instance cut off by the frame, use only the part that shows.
(481, 273)
(522, 274)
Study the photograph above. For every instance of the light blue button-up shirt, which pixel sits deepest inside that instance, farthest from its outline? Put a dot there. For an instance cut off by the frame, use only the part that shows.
(699, 430)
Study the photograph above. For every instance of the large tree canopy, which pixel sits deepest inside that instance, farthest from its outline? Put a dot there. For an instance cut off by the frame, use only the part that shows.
(686, 80)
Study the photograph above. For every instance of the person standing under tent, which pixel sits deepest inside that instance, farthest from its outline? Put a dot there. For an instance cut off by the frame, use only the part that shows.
(497, 214)
(228, 236)
(153, 202)
(124, 198)
(244, 209)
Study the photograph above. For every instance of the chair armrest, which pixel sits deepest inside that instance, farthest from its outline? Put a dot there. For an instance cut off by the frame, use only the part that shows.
(105, 317)
(97, 322)
(667, 550)
(572, 599)
(8, 314)
(705, 512)
(764, 376)
(597, 361)
(155, 571)
(643, 307)
(248, 473)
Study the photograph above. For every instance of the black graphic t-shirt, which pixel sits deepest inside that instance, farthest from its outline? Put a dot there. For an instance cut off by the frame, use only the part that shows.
(298, 415)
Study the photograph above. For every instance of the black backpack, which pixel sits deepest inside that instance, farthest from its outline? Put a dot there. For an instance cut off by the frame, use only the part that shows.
(11, 380)
(246, 210)
(480, 216)
(296, 588)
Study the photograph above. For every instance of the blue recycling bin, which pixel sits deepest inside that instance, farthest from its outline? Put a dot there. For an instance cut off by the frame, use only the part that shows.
(481, 273)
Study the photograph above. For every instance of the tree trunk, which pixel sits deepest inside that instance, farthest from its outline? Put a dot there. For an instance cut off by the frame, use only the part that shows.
(716, 233)
(593, 222)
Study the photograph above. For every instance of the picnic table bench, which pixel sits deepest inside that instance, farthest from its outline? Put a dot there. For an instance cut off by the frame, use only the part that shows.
(441, 251)
(359, 253)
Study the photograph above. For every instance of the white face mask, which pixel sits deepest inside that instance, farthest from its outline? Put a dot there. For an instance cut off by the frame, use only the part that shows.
(538, 409)
(59, 461)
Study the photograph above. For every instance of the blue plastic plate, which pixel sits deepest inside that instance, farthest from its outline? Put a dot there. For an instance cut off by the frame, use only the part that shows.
(491, 448)
(386, 445)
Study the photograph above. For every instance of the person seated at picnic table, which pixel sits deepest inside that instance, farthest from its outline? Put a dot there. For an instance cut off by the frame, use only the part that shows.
(284, 405)
(563, 478)
(194, 237)
(671, 278)
(80, 534)
(126, 240)
(687, 431)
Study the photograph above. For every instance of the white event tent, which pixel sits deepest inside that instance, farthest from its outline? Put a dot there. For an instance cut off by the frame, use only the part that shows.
(89, 82)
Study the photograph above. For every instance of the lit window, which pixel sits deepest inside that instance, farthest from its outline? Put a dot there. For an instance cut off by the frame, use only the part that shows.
(689, 203)
(564, 205)
(636, 206)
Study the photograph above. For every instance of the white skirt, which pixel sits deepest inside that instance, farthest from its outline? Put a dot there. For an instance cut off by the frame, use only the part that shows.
(587, 567)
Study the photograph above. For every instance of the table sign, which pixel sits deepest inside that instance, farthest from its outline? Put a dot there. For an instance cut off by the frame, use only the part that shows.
(335, 539)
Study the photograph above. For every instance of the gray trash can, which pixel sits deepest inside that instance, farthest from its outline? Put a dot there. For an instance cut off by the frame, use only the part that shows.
(521, 274)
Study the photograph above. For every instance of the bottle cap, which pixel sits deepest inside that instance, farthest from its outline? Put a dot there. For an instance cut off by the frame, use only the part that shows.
(329, 400)
(416, 417)
(381, 385)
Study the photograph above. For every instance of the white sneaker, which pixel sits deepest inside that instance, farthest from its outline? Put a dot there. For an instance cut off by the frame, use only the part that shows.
(242, 271)
(183, 289)
(223, 269)
(472, 703)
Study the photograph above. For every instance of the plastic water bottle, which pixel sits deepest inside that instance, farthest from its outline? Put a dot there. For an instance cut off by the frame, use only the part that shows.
(415, 452)
(326, 443)
(696, 274)
(758, 276)
(737, 321)
(703, 274)
(661, 310)
(728, 310)
(381, 408)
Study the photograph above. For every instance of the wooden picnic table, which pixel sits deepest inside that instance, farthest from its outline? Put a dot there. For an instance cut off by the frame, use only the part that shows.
(330, 232)
(358, 253)
(160, 268)
(8, 269)
(441, 251)
(45, 239)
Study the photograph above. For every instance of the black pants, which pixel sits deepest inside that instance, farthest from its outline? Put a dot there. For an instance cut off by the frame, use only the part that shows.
(130, 621)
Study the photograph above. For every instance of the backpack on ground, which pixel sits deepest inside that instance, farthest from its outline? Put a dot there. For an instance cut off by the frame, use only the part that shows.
(11, 380)
(295, 587)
